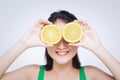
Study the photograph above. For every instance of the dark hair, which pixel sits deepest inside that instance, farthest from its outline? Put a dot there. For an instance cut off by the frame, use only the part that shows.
(67, 17)
(63, 15)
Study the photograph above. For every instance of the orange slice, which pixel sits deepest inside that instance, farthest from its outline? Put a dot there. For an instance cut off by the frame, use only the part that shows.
(72, 32)
(51, 34)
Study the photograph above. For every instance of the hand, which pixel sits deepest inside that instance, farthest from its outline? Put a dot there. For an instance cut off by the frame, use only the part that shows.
(90, 38)
(31, 37)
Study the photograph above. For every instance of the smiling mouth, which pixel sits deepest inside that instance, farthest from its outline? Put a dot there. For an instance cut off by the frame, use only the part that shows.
(62, 53)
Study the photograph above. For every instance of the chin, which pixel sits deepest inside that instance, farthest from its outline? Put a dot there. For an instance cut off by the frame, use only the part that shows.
(63, 61)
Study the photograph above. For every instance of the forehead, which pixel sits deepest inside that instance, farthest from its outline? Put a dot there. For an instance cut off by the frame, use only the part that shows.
(60, 23)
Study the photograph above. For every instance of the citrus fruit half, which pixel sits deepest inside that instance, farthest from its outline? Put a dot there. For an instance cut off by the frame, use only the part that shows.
(72, 32)
(51, 34)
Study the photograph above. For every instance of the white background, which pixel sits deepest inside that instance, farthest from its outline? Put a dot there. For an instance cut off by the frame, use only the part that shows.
(17, 15)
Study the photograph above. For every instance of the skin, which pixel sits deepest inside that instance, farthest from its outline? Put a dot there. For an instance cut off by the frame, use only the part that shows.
(90, 41)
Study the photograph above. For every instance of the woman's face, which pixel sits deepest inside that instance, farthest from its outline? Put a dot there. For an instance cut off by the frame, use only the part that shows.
(62, 52)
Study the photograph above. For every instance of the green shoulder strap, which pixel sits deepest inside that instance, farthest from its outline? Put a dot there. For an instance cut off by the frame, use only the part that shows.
(41, 73)
(82, 74)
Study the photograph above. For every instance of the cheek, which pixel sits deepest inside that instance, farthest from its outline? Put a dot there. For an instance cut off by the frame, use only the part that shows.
(74, 49)
(50, 51)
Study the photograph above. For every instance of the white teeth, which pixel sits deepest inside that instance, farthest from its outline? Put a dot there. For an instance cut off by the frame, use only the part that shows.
(61, 53)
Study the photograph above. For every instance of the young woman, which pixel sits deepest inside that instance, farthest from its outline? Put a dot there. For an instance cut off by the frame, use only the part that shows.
(65, 67)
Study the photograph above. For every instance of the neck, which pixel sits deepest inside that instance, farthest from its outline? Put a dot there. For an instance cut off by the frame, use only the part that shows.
(63, 72)
(63, 69)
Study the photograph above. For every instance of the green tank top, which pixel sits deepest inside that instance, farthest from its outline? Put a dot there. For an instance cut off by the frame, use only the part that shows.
(81, 73)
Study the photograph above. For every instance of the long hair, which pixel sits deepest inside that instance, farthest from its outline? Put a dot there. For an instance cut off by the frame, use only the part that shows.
(66, 17)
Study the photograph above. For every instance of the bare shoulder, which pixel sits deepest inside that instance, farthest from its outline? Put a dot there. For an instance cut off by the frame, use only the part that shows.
(29, 72)
(32, 71)
(94, 73)
(33, 67)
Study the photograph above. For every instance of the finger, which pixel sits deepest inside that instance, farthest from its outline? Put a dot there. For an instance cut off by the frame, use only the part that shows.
(76, 21)
(85, 25)
(47, 22)
(74, 44)
(46, 45)
(40, 23)
(37, 23)
(90, 28)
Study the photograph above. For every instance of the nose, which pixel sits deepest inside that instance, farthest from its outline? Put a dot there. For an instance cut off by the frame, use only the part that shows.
(62, 44)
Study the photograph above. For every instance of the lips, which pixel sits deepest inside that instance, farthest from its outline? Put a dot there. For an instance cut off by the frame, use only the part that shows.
(62, 52)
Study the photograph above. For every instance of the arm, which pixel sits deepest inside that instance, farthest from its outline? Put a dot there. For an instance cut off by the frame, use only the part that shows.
(91, 42)
(110, 62)
(29, 39)
(29, 72)
(94, 73)
(8, 58)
